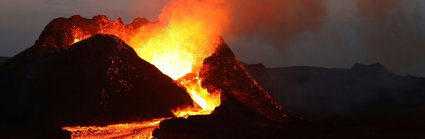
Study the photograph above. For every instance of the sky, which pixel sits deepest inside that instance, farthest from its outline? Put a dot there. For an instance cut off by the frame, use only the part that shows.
(277, 33)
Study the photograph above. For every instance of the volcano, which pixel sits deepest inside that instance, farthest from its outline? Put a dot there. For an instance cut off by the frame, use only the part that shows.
(75, 76)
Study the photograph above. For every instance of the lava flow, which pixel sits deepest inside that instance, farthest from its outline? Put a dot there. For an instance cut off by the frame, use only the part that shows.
(126, 130)
(185, 34)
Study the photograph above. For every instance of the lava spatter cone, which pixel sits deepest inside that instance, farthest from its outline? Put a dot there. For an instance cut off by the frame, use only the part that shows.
(95, 81)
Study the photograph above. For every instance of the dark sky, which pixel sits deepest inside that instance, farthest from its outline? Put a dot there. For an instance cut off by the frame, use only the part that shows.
(328, 33)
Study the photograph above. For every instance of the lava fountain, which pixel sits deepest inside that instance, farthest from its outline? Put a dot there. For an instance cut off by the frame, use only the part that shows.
(186, 33)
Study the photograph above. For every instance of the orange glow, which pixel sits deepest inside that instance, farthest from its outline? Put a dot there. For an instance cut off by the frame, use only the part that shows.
(78, 35)
(187, 32)
(128, 130)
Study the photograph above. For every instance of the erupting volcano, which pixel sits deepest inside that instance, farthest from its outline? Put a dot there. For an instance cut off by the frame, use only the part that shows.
(178, 44)
(185, 34)
(176, 77)
(101, 82)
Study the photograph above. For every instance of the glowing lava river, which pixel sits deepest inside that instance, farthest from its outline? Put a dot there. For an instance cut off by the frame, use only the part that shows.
(135, 130)
(185, 34)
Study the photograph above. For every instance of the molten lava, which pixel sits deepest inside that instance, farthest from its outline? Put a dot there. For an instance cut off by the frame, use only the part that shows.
(126, 130)
(187, 32)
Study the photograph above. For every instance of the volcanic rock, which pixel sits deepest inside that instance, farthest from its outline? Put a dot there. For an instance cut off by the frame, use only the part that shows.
(96, 81)
(222, 71)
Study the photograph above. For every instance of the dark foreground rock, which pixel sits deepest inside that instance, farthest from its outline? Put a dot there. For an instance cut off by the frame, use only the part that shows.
(96, 81)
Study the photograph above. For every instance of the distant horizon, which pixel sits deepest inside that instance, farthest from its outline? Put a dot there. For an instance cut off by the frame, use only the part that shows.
(267, 67)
